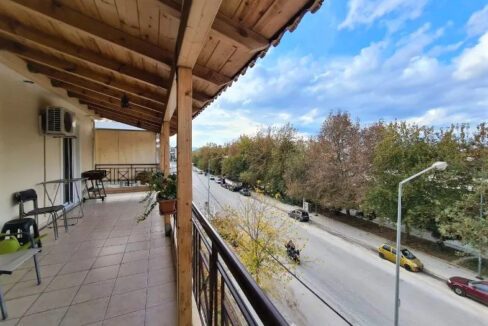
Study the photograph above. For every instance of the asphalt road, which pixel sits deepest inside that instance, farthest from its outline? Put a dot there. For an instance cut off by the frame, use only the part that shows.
(352, 279)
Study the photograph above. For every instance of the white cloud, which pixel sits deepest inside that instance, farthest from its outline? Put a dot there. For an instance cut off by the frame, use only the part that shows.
(473, 62)
(309, 117)
(478, 22)
(365, 12)
(219, 125)
(440, 117)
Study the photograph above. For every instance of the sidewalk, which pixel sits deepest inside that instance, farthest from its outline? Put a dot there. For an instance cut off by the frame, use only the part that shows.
(435, 267)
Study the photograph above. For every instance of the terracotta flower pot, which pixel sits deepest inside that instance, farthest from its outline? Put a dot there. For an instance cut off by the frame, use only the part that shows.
(167, 206)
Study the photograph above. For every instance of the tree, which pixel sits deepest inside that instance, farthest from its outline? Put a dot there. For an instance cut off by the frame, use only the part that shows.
(462, 220)
(257, 239)
(405, 150)
(335, 160)
(466, 218)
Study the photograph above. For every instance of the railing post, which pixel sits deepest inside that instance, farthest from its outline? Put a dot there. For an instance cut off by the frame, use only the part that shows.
(213, 285)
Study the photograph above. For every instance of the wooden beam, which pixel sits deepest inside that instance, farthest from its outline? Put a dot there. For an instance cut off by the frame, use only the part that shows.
(94, 28)
(224, 29)
(128, 121)
(70, 67)
(18, 31)
(103, 96)
(92, 106)
(93, 86)
(136, 112)
(171, 106)
(124, 119)
(195, 25)
(184, 202)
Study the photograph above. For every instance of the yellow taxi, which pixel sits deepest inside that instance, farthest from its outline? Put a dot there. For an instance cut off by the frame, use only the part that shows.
(408, 259)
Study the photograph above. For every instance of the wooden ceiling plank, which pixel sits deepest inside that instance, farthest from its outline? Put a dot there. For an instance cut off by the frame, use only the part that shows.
(70, 67)
(149, 21)
(90, 26)
(17, 30)
(129, 17)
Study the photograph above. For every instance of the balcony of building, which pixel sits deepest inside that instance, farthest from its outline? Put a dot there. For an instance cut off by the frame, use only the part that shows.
(154, 65)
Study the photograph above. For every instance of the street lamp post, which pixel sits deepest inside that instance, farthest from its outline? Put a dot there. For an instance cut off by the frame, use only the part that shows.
(437, 166)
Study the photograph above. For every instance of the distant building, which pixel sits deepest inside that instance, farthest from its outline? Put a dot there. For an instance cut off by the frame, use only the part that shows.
(172, 154)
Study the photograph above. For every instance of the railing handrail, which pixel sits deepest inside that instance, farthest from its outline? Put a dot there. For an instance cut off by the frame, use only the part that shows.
(126, 164)
(260, 302)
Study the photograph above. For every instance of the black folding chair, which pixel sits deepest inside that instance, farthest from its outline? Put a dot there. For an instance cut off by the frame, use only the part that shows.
(25, 196)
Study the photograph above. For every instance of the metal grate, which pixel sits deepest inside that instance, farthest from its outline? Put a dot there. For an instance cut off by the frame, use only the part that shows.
(54, 119)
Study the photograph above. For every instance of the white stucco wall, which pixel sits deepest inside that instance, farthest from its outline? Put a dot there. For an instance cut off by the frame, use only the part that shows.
(26, 156)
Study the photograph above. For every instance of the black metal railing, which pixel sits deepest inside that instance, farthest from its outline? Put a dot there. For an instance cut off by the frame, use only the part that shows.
(224, 291)
(124, 174)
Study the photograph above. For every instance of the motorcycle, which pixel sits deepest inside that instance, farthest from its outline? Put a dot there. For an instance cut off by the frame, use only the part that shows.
(293, 254)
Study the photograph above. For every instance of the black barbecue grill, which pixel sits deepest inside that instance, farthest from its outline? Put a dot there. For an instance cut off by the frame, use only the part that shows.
(94, 184)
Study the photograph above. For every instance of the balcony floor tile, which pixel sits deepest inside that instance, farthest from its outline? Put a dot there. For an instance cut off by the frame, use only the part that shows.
(107, 270)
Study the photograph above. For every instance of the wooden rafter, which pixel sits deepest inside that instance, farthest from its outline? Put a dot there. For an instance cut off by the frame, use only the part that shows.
(106, 33)
(108, 109)
(72, 68)
(105, 97)
(78, 82)
(151, 115)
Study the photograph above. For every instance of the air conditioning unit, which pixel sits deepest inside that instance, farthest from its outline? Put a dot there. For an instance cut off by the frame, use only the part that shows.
(56, 121)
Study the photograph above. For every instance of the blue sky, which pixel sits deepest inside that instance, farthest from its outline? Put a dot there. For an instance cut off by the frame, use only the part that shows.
(423, 61)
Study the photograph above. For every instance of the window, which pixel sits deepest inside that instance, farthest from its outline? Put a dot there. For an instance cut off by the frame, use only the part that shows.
(481, 287)
(386, 247)
(408, 254)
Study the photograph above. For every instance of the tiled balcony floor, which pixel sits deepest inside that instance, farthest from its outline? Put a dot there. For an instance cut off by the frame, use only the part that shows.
(107, 270)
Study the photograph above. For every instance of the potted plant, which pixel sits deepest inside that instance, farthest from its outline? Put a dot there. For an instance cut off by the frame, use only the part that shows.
(162, 192)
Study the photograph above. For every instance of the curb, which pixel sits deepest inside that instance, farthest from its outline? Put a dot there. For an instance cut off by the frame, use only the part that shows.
(433, 275)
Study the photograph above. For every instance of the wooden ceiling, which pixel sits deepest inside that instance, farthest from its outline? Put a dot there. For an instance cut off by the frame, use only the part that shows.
(101, 50)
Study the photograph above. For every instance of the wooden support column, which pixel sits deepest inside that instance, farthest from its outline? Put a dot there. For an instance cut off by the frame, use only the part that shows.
(164, 165)
(165, 141)
(183, 220)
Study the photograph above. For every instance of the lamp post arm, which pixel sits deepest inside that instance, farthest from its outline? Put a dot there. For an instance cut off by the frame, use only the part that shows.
(416, 175)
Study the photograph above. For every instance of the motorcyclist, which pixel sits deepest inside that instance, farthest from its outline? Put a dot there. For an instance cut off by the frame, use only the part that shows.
(290, 246)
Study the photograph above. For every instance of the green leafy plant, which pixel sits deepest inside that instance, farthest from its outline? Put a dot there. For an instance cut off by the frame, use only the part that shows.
(161, 187)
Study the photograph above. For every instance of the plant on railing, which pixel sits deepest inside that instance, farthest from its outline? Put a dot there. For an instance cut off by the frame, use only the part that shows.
(162, 191)
(144, 177)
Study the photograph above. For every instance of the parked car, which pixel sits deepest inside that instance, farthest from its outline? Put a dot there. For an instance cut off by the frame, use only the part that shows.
(477, 290)
(200, 172)
(218, 180)
(407, 261)
(299, 214)
(212, 177)
(245, 192)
